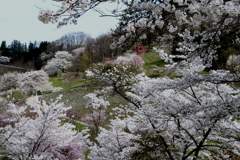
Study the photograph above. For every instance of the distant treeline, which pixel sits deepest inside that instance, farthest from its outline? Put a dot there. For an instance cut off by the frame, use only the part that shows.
(22, 53)
(28, 56)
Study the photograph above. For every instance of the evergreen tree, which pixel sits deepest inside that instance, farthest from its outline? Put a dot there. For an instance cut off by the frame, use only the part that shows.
(4, 50)
(3, 46)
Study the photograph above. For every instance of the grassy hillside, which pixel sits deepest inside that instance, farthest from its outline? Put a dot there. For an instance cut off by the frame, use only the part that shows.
(154, 66)
(76, 87)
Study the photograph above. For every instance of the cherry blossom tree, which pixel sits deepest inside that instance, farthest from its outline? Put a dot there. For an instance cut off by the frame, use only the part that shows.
(4, 59)
(27, 83)
(8, 82)
(120, 72)
(192, 28)
(233, 63)
(95, 119)
(194, 116)
(41, 134)
(58, 64)
(33, 82)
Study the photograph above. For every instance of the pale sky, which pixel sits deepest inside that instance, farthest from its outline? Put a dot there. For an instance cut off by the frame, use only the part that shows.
(19, 21)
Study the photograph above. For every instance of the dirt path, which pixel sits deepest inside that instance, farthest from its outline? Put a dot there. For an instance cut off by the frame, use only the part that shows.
(31, 100)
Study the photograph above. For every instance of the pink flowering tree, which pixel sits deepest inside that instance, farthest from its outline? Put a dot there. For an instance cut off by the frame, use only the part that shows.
(128, 59)
(95, 119)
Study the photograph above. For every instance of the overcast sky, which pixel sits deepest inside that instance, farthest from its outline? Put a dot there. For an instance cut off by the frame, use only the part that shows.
(19, 21)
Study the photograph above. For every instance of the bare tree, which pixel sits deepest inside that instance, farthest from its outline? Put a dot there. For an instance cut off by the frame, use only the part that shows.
(99, 47)
(71, 41)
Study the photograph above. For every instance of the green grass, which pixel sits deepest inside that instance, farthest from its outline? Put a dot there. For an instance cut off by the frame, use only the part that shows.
(66, 82)
(152, 60)
(17, 95)
(150, 57)
(78, 126)
(150, 65)
(56, 81)
(203, 72)
(74, 84)
(5, 158)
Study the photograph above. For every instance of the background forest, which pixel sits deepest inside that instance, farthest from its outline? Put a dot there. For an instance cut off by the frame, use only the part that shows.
(28, 56)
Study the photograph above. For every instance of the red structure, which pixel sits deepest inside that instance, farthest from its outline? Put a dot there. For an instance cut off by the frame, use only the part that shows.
(139, 49)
